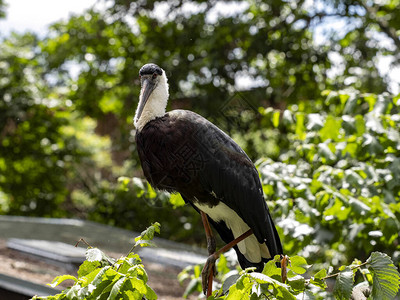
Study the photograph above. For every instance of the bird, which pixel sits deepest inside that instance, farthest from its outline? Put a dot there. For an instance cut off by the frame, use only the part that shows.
(182, 152)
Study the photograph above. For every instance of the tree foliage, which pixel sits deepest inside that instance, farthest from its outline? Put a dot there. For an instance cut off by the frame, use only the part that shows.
(2, 9)
(302, 281)
(101, 277)
(37, 140)
(337, 187)
(88, 65)
(312, 107)
(207, 49)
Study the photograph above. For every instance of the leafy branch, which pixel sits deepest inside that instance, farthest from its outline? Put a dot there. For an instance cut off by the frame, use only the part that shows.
(351, 268)
(288, 281)
(146, 237)
(101, 277)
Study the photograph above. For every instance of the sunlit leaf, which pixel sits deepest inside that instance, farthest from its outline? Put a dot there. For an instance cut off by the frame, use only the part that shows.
(318, 278)
(87, 267)
(275, 118)
(116, 289)
(298, 264)
(176, 200)
(344, 284)
(61, 278)
(386, 278)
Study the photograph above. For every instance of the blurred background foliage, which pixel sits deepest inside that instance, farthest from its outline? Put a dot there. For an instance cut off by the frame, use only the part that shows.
(304, 98)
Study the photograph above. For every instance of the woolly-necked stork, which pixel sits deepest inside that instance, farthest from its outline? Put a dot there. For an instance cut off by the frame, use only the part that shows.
(180, 151)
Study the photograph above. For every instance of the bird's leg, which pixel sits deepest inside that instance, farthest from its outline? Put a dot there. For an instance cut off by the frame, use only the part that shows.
(209, 268)
(208, 271)
(211, 244)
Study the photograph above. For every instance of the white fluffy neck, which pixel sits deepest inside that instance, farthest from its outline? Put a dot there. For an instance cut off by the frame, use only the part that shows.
(156, 104)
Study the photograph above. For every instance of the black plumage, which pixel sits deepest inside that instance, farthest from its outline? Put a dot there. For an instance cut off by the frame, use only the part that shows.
(150, 69)
(183, 152)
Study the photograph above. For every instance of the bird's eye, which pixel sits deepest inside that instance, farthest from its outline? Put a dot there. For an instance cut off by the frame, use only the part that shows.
(154, 76)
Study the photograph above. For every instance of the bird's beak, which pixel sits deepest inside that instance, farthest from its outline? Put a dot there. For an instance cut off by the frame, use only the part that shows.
(147, 88)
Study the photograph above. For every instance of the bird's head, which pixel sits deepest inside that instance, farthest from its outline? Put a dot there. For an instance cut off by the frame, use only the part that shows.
(153, 95)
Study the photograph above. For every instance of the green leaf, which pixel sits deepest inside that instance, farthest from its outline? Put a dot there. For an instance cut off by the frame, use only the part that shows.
(144, 243)
(320, 274)
(147, 235)
(151, 193)
(87, 279)
(73, 292)
(371, 144)
(358, 206)
(56, 281)
(229, 281)
(184, 274)
(382, 104)
(337, 210)
(133, 258)
(351, 104)
(318, 279)
(222, 265)
(87, 267)
(139, 285)
(297, 283)
(116, 289)
(344, 284)
(236, 293)
(348, 124)
(193, 286)
(131, 295)
(298, 264)
(325, 152)
(280, 289)
(385, 276)
(270, 269)
(197, 271)
(176, 200)
(331, 129)
(124, 182)
(240, 282)
(105, 289)
(275, 118)
(103, 280)
(150, 293)
(138, 186)
(300, 129)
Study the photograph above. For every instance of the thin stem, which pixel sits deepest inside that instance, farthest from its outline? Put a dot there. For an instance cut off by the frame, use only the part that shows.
(83, 241)
(336, 274)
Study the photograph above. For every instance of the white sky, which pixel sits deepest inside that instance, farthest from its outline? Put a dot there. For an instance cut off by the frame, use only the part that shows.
(36, 15)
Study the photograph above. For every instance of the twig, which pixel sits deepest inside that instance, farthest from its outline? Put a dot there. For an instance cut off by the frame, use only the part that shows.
(336, 274)
(83, 241)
